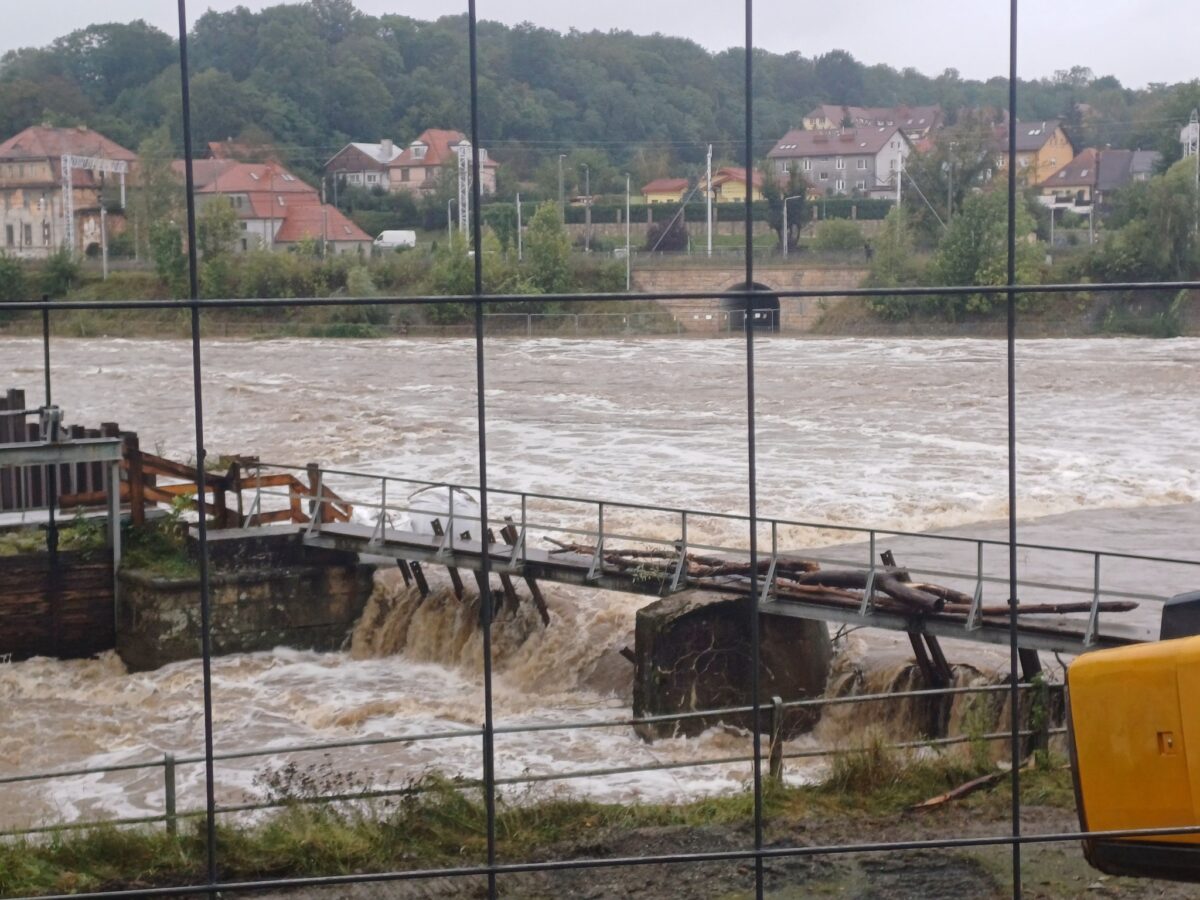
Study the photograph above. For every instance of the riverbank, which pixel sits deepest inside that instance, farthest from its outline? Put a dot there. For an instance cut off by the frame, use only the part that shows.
(867, 798)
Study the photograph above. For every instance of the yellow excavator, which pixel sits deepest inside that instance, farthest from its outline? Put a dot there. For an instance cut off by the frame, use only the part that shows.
(1134, 726)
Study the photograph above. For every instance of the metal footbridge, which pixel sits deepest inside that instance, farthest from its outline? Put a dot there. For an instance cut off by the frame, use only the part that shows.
(656, 551)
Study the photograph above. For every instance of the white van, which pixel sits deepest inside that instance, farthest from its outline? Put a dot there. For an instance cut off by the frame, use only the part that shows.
(393, 240)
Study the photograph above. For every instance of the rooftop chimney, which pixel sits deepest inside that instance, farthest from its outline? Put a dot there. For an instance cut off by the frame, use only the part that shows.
(388, 149)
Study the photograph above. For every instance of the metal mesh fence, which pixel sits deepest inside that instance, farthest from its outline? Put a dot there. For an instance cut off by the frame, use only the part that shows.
(756, 852)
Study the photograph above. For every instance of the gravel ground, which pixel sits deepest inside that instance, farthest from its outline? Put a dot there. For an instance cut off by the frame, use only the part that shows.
(1049, 870)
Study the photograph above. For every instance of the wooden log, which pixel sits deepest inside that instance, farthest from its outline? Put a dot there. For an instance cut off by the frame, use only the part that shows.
(509, 532)
(405, 573)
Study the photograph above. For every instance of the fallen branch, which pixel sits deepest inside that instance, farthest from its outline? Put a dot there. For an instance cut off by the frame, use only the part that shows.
(959, 792)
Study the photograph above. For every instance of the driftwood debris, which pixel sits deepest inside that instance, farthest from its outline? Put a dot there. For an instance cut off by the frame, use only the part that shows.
(892, 587)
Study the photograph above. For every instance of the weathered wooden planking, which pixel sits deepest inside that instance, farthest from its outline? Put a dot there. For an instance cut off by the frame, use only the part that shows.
(65, 611)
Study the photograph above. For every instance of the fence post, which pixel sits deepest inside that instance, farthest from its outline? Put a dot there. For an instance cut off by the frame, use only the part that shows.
(776, 746)
(169, 792)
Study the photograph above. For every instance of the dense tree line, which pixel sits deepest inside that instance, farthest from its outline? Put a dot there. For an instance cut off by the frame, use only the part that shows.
(311, 76)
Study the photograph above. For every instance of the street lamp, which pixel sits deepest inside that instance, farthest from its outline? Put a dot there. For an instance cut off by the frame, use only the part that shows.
(786, 233)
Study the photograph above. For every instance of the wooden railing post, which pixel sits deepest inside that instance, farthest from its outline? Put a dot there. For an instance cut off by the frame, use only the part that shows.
(137, 479)
(776, 745)
(315, 507)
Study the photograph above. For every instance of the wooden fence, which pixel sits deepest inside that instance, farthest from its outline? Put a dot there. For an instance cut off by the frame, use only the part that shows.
(148, 480)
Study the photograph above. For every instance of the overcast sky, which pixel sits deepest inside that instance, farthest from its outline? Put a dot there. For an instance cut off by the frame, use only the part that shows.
(1139, 42)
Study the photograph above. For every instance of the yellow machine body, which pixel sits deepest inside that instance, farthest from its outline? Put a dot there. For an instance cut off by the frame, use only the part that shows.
(1134, 716)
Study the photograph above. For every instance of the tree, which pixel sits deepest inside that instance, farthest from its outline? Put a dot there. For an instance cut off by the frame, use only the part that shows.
(166, 249)
(668, 236)
(216, 228)
(1155, 237)
(13, 284)
(974, 251)
(548, 251)
(775, 193)
(157, 198)
(894, 265)
(946, 174)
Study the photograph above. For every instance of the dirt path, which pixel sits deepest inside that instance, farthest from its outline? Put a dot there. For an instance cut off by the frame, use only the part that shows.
(1049, 870)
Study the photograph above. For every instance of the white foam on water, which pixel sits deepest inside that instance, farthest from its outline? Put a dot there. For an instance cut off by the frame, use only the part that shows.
(904, 434)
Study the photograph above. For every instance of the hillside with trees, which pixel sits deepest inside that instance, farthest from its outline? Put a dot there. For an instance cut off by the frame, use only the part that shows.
(310, 77)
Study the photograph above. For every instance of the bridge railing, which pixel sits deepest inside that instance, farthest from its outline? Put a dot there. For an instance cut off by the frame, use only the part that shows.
(971, 564)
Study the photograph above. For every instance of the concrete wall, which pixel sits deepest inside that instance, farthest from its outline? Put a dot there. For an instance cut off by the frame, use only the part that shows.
(265, 593)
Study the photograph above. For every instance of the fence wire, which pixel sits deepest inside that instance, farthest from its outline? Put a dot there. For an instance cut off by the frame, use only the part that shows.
(757, 852)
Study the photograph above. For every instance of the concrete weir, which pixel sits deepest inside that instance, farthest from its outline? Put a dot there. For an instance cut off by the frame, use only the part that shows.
(267, 590)
(692, 652)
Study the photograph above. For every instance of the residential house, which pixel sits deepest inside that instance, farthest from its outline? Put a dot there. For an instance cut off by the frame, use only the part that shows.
(864, 161)
(729, 185)
(364, 165)
(1042, 149)
(916, 121)
(41, 211)
(276, 209)
(417, 168)
(1074, 185)
(1093, 175)
(240, 151)
(665, 190)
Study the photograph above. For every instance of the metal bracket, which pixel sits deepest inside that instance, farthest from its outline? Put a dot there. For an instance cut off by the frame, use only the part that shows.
(595, 569)
(679, 578)
(770, 581)
(1093, 625)
(976, 612)
(516, 550)
(864, 608)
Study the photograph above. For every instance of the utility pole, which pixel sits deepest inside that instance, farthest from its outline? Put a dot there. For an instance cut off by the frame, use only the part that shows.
(708, 197)
(562, 206)
(587, 208)
(628, 254)
(104, 238)
(899, 180)
(950, 188)
(1193, 150)
(520, 245)
(449, 230)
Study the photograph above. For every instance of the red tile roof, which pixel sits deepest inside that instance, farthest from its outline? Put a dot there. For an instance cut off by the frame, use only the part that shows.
(204, 171)
(43, 142)
(735, 173)
(666, 186)
(317, 221)
(440, 143)
(911, 117)
(243, 178)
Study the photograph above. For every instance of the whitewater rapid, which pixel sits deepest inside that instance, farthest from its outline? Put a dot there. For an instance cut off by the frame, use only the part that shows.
(905, 434)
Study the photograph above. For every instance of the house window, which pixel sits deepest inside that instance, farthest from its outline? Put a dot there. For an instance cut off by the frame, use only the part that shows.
(8, 235)
(806, 165)
(840, 164)
(405, 174)
(862, 165)
(28, 230)
(840, 184)
(244, 244)
(861, 185)
(46, 233)
(892, 165)
(372, 178)
(824, 176)
(418, 151)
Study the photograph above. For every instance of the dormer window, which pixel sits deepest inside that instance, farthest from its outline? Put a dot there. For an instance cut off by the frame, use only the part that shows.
(418, 150)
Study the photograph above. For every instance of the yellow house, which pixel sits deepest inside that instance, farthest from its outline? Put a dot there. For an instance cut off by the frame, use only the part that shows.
(1042, 149)
(729, 185)
(665, 190)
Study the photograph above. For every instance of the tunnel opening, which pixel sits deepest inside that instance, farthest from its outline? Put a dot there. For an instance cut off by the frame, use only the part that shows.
(762, 308)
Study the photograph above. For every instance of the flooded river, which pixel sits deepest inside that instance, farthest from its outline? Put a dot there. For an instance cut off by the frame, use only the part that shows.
(905, 434)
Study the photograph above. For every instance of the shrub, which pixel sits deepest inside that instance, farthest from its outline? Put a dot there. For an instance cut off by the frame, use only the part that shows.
(838, 234)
